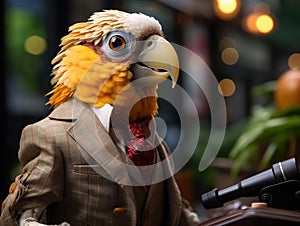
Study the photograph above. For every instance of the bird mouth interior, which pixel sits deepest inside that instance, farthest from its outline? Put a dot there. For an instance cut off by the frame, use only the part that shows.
(141, 70)
(153, 69)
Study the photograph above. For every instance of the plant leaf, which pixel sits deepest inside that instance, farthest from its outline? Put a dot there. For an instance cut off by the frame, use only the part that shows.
(272, 147)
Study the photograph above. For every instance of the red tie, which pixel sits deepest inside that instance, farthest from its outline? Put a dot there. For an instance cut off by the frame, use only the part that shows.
(139, 149)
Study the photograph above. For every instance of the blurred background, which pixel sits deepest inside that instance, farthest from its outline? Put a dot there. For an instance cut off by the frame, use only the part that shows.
(246, 43)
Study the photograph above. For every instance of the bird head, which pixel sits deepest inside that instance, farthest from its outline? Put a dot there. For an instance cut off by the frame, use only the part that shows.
(100, 59)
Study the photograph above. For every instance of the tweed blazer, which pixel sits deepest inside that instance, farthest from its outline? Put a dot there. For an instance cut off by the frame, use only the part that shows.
(58, 178)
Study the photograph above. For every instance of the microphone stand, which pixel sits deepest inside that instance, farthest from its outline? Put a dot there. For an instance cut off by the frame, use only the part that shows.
(284, 195)
(276, 186)
(278, 189)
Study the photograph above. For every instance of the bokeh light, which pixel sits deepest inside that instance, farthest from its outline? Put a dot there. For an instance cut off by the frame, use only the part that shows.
(35, 45)
(264, 24)
(226, 87)
(262, 7)
(226, 42)
(258, 23)
(230, 56)
(227, 6)
(226, 9)
(250, 23)
(294, 61)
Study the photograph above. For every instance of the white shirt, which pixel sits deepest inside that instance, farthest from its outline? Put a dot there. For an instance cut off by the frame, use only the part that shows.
(103, 114)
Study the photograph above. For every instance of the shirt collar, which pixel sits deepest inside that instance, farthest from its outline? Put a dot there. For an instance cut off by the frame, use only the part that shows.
(103, 114)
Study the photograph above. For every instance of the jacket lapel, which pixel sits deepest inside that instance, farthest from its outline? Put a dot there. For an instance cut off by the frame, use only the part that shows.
(97, 147)
(175, 202)
(172, 190)
(95, 143)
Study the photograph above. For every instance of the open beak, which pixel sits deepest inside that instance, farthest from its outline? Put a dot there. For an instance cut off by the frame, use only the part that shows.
(158, 60)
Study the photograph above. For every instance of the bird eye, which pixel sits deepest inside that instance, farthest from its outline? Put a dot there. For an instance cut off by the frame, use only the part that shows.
(117, 43)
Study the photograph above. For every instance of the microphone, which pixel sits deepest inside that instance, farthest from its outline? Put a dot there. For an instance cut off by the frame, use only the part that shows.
(280, 172)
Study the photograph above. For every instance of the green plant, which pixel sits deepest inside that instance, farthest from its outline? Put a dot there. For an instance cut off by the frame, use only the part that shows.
(268, 133)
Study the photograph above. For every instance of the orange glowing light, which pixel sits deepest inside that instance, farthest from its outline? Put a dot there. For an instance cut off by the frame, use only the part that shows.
(294, 61)
(258, 23)
(226, 9)
(230, 56)
(226, 87)
(227, 6)
(264, 24)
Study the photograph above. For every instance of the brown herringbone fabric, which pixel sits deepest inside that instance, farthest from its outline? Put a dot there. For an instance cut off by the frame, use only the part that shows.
(54, 152)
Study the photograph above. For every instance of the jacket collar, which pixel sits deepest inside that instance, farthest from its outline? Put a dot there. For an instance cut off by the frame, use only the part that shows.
(92, 137)
(95, 143)
(69, 110)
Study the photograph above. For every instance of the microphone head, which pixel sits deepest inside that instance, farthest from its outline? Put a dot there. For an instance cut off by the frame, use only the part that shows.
(249, 187)
(286, 170)
(210, 200)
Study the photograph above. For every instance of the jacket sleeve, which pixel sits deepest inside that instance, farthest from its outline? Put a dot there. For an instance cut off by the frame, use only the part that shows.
(188, 216)
(41, 182)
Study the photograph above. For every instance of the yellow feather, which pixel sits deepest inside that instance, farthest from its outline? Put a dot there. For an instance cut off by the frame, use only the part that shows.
(106, 89)
(86, 76)
(110, 83)
(80, 72)
(86, 99)
(99, 104)
(116, 78)
(123, 74)
(118, 89)
(77, 26)
(86, 91)
(59, 94)
(107, 99)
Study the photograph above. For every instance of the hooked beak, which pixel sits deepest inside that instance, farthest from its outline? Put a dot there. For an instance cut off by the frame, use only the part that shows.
(157, 61)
